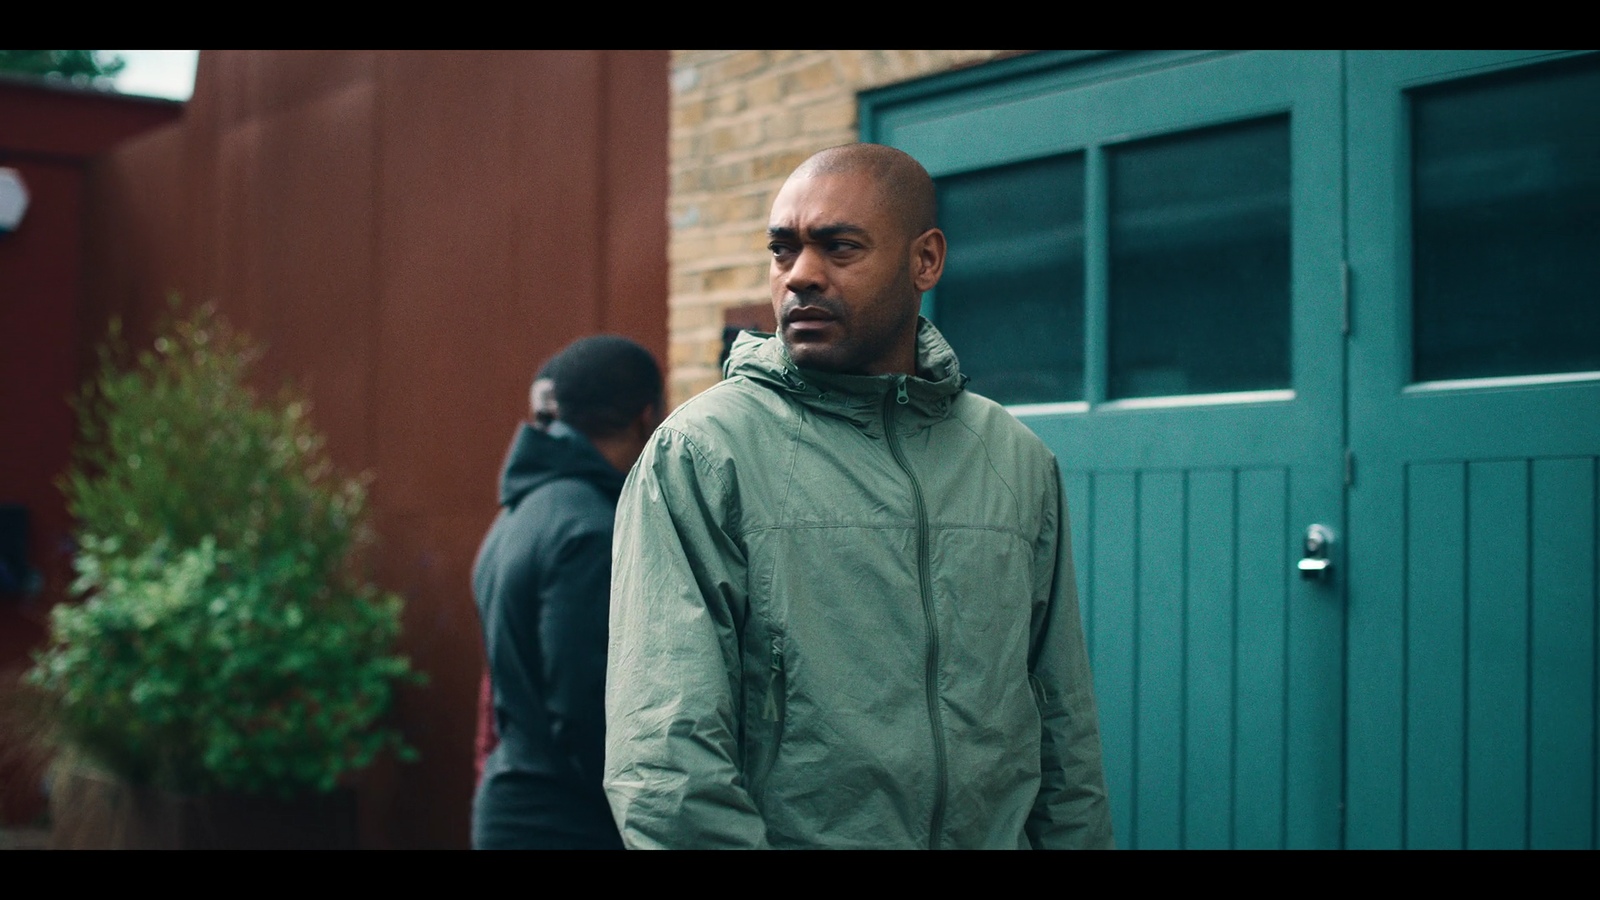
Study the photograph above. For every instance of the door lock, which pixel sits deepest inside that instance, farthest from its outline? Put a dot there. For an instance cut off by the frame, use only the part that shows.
(1315, 565)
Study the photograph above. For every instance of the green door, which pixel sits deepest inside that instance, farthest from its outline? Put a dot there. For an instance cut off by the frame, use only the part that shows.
(1244, 294)
(1474, 212)
(1146, 264)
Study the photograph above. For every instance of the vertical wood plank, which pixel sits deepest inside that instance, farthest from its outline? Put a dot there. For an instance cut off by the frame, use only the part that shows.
(1435, 655)
(1112, 653)
(1159, 684)
(1262, 570)
(1375, 778)
(1076, 486)
(1208, 670)
(1497, 655)
(1314, 656)
(1562, 771)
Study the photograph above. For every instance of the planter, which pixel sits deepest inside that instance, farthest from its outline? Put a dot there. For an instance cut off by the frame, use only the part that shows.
(90, 810)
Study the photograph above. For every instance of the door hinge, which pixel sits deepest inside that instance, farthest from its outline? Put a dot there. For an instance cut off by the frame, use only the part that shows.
(1344, 290)
(1349, 469)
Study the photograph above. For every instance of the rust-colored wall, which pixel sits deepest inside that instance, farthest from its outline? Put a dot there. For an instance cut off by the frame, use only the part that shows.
(411, 234)
(48, 134)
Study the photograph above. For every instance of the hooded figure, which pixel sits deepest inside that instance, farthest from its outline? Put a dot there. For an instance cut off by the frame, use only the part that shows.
(542, 584)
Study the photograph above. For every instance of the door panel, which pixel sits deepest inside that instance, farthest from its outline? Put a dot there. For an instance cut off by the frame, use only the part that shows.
(1472, 665)
(1209, 670)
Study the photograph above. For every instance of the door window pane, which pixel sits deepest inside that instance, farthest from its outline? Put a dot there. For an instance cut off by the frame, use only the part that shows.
(1199, 269)
(1506, 220)
(1011, 298)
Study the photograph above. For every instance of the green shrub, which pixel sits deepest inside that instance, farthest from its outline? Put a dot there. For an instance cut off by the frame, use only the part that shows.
(227, 641)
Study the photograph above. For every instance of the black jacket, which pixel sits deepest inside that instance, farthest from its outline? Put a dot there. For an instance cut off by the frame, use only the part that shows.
(542, 582)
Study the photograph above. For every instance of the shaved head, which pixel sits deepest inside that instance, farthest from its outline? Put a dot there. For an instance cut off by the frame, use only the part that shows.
(902, 182)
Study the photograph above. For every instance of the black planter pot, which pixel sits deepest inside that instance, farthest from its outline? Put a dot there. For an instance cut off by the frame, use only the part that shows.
(90, 810)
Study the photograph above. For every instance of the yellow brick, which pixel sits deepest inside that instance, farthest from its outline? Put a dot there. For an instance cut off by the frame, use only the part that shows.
(729, 101)
(763, 90)
(848, 64)
(730, 175)
(719, 209)
(688, 113)
(689, 181)
(684, 283)
(711, 351)
(682, 147)
(732, 278)
(831, 116)
(778, 165)
(687, 385)
(751, 240)
(679, 354)
(738, 65)
(693, 318)
(724, 139)
(781, 125)
(817, 75)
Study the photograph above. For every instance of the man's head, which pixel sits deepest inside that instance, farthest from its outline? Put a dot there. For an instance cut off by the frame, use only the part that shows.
(854, 245)
(608, 388)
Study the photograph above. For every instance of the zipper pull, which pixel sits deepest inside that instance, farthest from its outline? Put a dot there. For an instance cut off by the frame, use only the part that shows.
(901, 397)
(770, 710)
(1039, 693)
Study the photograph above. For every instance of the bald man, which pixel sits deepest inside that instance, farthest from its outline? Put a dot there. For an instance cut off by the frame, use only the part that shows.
(843, 611)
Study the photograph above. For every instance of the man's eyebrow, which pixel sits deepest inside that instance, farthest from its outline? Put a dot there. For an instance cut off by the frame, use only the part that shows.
(839, 229)
(819, 233)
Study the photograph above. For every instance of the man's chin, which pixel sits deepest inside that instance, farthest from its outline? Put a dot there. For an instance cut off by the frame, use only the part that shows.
(817, 355)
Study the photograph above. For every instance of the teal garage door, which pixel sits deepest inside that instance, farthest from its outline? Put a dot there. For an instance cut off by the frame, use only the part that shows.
(1335, 541)
(1475, 423)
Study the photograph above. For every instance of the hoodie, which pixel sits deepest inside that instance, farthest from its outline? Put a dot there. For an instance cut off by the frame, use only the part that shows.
(541, 581)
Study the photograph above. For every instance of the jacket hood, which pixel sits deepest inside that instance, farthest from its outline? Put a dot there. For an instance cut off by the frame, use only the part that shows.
(762, 358)
(540, 457)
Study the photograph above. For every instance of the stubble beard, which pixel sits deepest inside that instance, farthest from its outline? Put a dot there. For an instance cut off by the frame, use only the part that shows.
(858, 348)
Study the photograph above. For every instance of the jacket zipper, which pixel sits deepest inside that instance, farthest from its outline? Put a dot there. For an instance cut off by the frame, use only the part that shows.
(923, 580)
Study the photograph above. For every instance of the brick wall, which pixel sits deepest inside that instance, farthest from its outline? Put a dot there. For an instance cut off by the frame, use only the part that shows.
(742, 120)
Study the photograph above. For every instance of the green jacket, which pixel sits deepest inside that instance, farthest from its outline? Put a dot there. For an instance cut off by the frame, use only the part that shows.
(843, 615)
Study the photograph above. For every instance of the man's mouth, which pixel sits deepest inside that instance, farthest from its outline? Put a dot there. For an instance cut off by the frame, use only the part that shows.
(811, 313)
(808, 314)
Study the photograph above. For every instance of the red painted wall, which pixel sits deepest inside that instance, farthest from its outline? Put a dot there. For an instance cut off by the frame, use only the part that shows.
(411, 234)
(49, 135)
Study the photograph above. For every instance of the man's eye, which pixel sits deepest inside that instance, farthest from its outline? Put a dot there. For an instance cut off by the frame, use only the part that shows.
(842, 246)
(780, 250)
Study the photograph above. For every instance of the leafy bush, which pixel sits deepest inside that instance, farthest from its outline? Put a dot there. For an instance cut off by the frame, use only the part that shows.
(227, 641)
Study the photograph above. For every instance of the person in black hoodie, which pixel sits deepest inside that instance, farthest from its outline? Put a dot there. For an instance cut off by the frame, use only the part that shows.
(542, 582)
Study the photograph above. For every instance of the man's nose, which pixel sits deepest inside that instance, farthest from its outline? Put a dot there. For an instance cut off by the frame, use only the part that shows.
(807, 275)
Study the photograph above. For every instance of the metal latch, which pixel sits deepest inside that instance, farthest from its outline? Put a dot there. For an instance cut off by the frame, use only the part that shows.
(1315, 565)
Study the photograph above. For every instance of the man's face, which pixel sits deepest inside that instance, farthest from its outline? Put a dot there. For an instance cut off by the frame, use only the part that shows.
(843, 288)
(542, 403)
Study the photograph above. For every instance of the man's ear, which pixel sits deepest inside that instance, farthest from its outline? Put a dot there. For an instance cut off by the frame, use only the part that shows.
(927, 259)
(646, 422)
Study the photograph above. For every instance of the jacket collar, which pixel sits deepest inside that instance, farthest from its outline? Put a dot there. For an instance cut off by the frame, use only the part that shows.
(860, 398)
(540, 457)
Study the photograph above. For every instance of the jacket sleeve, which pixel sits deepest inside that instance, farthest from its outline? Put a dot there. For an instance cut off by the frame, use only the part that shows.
(1072, 810)
(678, 592)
